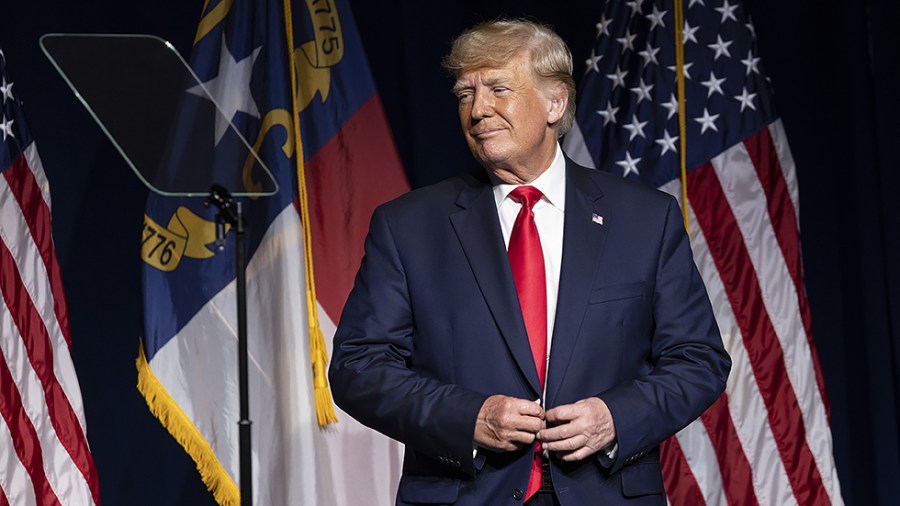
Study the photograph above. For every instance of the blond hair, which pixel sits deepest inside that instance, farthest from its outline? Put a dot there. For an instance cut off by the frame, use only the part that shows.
(493, 44)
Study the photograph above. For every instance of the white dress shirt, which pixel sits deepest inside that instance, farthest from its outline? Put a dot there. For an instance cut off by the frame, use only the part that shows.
(549, 214)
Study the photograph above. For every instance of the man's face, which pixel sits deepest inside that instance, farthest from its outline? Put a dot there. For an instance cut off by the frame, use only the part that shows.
(505, 116)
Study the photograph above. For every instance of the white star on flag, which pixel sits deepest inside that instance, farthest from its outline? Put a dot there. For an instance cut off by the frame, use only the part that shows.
(727, 11)
(689, 33)
(6, 126)
(636, 128)
(609, 115)
(230, 89)
(649, 55)
(642, 91)
(713, 84)
(707, 121)
(656, 18)
(618, 78)
(629, 165)
(752, 63)
(686, 68)
(671, 106)
(721, 47)
(6, 90)
(746, 99)
(667, 143)
(627, 41)
(591, 62)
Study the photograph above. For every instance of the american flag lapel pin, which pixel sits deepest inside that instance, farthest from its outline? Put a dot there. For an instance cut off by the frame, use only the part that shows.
(596, 218)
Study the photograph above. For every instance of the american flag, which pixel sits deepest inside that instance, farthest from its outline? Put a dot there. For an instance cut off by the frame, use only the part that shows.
(767, 439)
(45, 458)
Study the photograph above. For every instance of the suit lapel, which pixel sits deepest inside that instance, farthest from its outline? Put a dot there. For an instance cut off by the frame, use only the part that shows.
(478, 228)
(583, 243)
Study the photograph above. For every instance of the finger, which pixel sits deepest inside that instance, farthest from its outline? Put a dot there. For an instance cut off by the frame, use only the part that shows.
(564, 413)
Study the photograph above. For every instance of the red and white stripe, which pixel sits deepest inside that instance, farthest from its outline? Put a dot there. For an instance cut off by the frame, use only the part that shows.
(42, 423)
(767, 440)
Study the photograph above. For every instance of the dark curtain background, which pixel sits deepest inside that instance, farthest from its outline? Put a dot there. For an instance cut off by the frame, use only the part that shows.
(833, 65)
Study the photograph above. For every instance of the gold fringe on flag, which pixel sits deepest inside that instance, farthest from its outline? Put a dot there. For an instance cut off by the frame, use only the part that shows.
(163, 406)
(679, 72)
(324, 405)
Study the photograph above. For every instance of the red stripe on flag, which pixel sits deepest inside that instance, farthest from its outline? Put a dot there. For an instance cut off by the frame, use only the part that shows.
(784, 221)
(28, 194)
(737, 475)
(3, 500)
(25, 438)
(354, 172)
(733, 263)
(37, 344)
(681, 486)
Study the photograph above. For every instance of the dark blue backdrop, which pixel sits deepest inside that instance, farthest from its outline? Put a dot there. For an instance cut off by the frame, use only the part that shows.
(833, 69)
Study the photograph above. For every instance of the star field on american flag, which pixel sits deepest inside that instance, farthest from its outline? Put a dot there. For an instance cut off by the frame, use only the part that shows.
(633, 107)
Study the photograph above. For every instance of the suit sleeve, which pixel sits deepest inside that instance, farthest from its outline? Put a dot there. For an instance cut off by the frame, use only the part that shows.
(371, 374)
(690, 365)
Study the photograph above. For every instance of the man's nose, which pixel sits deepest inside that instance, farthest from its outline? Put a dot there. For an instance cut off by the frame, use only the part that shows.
(482, 105)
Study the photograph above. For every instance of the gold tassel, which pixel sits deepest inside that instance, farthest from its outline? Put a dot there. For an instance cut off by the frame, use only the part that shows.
(324, 406)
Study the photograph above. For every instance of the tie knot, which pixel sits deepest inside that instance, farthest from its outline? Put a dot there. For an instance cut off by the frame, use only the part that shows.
(526, 195)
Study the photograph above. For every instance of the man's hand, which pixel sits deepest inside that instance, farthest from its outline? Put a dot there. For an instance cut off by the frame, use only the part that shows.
(507, 423)
(577, 431)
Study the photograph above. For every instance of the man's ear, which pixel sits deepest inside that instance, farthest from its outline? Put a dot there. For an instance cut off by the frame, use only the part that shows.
(557, 100)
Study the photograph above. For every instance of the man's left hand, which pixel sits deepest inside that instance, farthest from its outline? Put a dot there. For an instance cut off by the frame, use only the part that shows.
(577, 431)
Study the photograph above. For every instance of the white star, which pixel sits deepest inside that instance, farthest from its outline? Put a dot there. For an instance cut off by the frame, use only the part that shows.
(707, 121)
(642, 91)
(618, 78)
(721, 47)
(752, 29)
(6, 90)
(627, 41)
(230, 89)
(671, 106)
(603, 27)
(649, 55)
(629, 164)
(696, 2)
(6, 126)
(591, 62)
(746, 99)
(635, 127)
(635, 6)
(667, 143)
(727, 11)
(714, 85)
(752, 63)
(656, 18)
(689, 32)
(686, 69)
(609, 115)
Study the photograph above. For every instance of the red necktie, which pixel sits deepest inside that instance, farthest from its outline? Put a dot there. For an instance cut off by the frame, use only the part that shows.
(526, 257)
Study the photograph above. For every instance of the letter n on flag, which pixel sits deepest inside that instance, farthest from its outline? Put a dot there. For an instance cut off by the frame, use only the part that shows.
(44, 453)
(293, 79)
(767, 439)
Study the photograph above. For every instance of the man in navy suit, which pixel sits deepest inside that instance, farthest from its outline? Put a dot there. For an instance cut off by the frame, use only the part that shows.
(500, 399)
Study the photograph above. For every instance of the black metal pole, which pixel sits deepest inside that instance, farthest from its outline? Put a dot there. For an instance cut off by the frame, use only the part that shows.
(230, 212)
(244, 422)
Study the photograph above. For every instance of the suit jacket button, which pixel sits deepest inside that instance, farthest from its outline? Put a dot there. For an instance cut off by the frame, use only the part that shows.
(518, 494)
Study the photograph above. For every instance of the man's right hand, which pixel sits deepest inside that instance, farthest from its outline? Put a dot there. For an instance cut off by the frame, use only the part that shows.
(507, 423)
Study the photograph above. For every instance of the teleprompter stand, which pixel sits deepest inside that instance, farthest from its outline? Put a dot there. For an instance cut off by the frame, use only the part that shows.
(169, 130)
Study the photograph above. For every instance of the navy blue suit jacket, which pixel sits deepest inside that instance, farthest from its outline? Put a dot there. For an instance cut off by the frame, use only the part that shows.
(433, 328)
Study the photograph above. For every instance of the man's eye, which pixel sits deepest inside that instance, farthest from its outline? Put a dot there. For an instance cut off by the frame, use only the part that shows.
(464, 98)
(500, 89)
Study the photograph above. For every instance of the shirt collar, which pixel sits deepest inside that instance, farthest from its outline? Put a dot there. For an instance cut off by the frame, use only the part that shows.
(552, 183)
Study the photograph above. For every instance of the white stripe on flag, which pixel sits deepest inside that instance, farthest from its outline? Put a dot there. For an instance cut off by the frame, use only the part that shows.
(747, 199)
